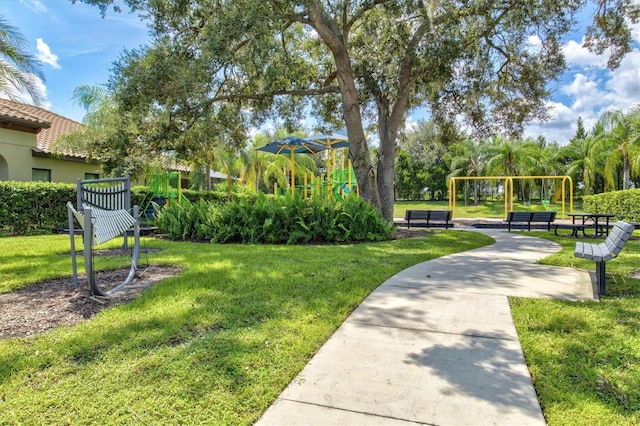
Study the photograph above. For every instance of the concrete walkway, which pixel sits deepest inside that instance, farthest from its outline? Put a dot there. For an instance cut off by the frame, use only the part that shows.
(435, 344)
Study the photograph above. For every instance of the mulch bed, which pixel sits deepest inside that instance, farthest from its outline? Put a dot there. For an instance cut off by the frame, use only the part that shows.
(54, 303)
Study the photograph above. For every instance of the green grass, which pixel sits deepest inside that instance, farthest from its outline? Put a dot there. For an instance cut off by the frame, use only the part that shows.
(215, 345)
(36, 258)
(584, 357)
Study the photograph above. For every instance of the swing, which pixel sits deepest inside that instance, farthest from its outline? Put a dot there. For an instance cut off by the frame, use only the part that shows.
(103, 213)
(546, 202)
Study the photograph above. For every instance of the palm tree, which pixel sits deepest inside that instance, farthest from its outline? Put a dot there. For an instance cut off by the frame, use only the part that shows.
(621, 139)
(586, 161)
(512, 158)
(256, 163)
(18, 69)
(466, 160)
(92, 99)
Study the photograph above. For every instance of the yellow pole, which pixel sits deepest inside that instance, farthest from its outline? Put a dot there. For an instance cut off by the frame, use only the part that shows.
(335, 153)
(511, 186)
(293, 173)
(570, 194)
(275, 188)
(452, 202)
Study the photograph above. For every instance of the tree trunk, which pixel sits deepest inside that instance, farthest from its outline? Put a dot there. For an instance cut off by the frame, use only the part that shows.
(386, 162)
(626, 171)
(358, 149)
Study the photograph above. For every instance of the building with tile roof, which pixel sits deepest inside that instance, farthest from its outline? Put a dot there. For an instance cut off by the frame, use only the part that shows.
(27, 146)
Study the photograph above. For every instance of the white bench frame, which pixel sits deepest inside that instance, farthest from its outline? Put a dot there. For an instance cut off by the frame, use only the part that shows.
(103, 212)
(605, 251)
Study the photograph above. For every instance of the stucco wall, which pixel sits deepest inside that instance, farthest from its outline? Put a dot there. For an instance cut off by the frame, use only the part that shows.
(64, 171)
(15, 149)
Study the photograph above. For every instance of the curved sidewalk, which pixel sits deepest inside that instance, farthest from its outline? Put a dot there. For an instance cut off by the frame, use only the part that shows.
(434, 344)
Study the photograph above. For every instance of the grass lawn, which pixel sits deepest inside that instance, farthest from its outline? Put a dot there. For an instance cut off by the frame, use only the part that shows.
(584, 357)
(215, 345)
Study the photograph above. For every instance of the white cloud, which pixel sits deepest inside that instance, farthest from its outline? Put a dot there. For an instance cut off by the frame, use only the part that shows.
(624, 82)
(534, 44)
(45, 55)
(578, 55)
(591, 90)
(35, 5)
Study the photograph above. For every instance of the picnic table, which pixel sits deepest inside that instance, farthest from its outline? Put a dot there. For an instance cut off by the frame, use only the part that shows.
(580, 222)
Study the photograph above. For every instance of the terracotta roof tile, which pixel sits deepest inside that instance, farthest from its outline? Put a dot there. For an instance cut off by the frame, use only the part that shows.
(51, 124)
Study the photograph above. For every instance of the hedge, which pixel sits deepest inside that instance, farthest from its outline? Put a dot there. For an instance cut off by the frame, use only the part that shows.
(40, 207)
(624, 204)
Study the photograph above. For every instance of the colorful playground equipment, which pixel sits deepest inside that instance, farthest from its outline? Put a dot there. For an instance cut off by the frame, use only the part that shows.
(167, 186)
(337, 182)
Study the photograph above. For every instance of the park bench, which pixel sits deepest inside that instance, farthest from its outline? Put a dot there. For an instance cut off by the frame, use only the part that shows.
(529, 218)
(429, 218)
(605, 251)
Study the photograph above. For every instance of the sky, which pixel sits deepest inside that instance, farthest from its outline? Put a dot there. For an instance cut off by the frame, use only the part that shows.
(78, 47)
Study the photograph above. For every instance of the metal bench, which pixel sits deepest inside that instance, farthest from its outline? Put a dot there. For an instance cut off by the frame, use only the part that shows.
(429, 218)
(605, 251)
(104, 212)
(543, 217)
(529, 218)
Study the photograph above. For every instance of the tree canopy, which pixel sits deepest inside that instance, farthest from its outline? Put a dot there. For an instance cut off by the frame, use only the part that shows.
(225, 65)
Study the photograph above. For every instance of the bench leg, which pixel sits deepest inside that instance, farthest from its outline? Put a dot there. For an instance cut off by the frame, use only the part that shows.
(600, 278)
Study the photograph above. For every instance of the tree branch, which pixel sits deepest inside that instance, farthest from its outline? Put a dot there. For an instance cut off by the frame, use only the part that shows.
(261, 96)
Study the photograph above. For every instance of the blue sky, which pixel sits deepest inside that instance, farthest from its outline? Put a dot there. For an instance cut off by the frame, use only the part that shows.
(78, 47)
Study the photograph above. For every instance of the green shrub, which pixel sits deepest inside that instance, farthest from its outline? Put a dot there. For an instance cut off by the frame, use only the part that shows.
(624, 204)
(275, 220)
(40, 207)
(185, 220)
(34, 207)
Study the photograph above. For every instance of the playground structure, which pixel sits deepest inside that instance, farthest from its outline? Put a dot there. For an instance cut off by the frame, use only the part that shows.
(507, 183)
(335, 182)
(338, 182)
(103, 211)
(167, 186)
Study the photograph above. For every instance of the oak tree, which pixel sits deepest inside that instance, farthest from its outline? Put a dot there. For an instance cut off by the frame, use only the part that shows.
(365, 63)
